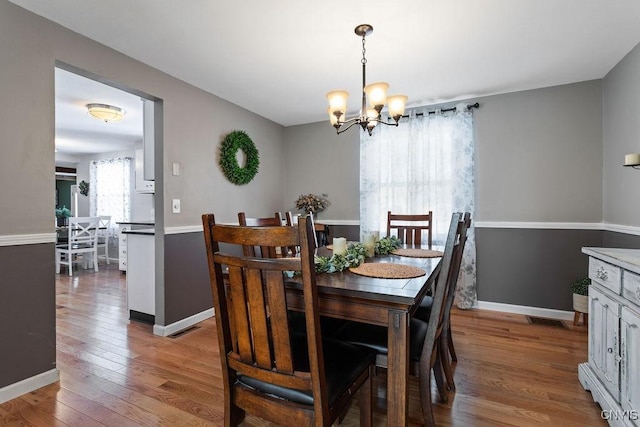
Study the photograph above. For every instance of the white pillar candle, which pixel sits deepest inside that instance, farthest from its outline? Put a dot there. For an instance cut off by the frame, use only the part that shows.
(369, 244)
(339, 245)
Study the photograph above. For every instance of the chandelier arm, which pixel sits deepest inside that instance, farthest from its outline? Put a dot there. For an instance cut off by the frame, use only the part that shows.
(386, 123)
(354, 122)
(351, 120)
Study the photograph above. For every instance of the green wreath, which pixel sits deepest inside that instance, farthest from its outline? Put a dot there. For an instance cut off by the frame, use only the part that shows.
(239, 140)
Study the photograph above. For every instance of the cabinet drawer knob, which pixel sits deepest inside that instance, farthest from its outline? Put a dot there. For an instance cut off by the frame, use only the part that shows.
(609, 350)
(601, 273)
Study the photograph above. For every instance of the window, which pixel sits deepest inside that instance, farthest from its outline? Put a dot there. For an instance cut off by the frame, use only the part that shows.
(425, 164)
(110, 190)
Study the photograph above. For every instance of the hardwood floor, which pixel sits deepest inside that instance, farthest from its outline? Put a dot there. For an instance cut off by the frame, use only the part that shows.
(117, 373)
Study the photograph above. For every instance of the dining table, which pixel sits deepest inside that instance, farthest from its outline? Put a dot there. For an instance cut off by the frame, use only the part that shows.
(388, 302)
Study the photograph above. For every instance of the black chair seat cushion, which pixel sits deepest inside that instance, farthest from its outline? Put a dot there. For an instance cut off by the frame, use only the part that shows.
(375, 337)
(343, 363)
(329, 326)
(424, 309)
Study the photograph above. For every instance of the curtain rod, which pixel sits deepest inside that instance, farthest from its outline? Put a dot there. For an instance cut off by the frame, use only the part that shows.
(444, 110)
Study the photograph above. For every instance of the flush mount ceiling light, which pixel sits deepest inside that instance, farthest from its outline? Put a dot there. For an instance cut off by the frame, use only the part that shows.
(376, 93)
(106, 113)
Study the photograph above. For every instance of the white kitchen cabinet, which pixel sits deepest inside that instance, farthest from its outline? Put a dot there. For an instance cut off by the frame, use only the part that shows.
(142, 185)
(122, 246)
(141, 283)
(612, 373)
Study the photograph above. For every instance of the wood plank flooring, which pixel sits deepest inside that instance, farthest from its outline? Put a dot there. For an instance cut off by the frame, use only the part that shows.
(117, 373)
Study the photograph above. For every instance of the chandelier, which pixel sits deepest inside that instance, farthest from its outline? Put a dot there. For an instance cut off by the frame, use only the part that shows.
(376, 93)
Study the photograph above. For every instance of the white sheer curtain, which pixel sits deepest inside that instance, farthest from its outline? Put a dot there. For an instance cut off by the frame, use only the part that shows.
(425, 164)
(110, 190)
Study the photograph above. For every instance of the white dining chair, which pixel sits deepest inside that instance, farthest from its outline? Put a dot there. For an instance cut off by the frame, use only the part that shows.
(82, 240)
(103, 236)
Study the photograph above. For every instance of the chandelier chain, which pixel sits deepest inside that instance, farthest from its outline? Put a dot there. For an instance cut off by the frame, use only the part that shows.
(364, 50)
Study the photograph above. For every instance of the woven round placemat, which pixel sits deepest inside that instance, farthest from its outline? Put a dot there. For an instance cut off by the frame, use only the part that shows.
(417, 253)
(388, 270)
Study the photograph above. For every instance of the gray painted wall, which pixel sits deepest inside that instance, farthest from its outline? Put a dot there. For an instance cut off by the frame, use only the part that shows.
(621, 135)
(187, 271)
(319, 161)
(539, 155)
(531, 267)
(538, 158)
(27, 312)
(194, 123)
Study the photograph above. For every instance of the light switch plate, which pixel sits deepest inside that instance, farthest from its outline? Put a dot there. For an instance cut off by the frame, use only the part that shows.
(175, 205)
(175, 169)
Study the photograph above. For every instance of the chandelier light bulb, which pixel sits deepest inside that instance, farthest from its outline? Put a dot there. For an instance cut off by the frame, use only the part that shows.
(396, 106)
(377, 94)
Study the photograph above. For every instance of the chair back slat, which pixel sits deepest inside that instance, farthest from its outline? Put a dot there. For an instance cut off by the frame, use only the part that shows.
(259, 319)
(240, 314)
(409, 228)
(280, 332)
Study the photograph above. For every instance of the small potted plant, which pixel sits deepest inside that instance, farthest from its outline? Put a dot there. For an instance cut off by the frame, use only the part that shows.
(62, 215)
(580, 289)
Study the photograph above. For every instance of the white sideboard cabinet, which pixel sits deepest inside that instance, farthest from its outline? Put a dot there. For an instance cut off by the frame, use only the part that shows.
(612, 373)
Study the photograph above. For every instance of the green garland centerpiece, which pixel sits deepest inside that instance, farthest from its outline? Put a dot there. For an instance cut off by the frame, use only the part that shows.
(386, 245)
(355, 255)
(234, 141)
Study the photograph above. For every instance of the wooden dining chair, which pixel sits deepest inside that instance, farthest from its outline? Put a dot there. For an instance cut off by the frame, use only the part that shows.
(410, 228)
(82, 239)
(424, 340)
(270, 221)
(103, 236)
(269, 371)
(424, 310)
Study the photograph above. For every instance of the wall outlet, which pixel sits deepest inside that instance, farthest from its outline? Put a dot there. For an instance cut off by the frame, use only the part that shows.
(175, 205)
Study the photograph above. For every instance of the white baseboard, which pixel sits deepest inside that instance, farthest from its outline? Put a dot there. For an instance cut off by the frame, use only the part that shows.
(28, 385)
(165, 331)
(523, 309)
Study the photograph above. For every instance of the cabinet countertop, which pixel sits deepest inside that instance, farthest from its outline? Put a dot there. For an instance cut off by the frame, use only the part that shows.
(140, 231)
(625, 258)
(136, 223)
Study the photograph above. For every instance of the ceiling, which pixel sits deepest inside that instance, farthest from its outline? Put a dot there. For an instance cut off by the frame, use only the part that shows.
(278, 58)
(77, 132)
